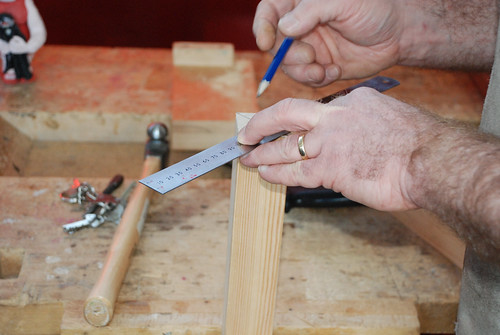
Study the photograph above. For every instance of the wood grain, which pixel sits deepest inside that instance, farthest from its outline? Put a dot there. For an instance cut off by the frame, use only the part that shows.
(175, 281)
(255, 233)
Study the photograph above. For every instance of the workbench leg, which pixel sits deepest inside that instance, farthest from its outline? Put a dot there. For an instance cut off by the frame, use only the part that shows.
(255, 232)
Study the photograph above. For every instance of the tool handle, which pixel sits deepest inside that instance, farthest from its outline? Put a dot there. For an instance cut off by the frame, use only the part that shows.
(100, 304)
(113, 184)
(297, 196)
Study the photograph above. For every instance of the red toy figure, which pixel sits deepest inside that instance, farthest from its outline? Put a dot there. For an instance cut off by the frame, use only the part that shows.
(22, 33)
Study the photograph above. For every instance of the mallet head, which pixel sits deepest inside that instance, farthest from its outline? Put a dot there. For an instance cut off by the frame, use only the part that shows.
(157, 144)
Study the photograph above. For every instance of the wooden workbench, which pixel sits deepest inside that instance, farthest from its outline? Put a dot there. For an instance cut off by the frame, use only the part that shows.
(342, 270)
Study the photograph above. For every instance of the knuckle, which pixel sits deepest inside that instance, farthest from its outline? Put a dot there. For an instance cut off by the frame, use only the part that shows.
(306, 175)
(362, 92)
(288, 150)
(282, 109)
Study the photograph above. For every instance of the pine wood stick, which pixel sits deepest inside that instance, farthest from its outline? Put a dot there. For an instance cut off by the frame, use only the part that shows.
(255, 233)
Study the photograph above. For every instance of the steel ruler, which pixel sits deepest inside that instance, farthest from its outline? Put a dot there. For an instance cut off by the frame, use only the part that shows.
(207, 160)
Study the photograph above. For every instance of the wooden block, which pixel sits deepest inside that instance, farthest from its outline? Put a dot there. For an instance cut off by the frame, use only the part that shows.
(255, 233)
(11, 260)
(203, 54)
(381, 317)
(97, 94)
(343, 269)
(208, 86)
(176, 279)
(83, 126)
(199, 135)
(204, 101)
(42, 319)
(436, 233)
(14, 149)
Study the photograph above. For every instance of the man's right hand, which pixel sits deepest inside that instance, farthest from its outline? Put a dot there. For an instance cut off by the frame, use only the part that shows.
(352, 39)
(334, 39)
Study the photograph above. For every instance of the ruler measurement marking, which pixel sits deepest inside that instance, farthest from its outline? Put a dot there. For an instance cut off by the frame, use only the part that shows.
(196, 165)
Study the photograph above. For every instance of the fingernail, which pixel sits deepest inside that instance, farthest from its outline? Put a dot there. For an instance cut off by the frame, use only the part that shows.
(333, 72)
(263, 168)
(241, 137)
(313, 75)
(288, 24)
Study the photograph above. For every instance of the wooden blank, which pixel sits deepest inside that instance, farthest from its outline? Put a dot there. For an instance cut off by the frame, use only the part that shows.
(203, 54)
(255, 233)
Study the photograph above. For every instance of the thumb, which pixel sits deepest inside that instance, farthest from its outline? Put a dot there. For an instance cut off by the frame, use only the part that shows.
(307, 15)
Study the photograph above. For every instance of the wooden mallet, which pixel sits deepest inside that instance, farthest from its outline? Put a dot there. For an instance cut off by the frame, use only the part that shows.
(99, 306)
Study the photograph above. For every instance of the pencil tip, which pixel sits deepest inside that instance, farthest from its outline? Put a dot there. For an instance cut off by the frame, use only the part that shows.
(262, 87)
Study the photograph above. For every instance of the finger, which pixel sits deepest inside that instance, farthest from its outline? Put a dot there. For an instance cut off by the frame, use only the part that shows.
(294, 174)
(281, 151)
(299, 53)
(266, 19)
(265, 34)
(264, 27)
(308, 14)
(293, 115)
(310, 74)
(314, 75)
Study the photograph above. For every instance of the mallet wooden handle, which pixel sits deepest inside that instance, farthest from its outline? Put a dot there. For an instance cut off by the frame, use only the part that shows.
(99, 306)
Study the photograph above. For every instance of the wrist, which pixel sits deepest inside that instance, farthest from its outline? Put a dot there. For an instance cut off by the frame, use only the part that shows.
(425, 157)
(456, 175)
(451, 167)
(449, 34)
(419, 38)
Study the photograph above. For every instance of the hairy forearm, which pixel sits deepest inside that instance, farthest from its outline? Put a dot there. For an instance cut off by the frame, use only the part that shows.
(453, 34)
(456, 174)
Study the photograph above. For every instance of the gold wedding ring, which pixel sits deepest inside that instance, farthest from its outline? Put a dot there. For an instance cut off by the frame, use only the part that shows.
(302, 148)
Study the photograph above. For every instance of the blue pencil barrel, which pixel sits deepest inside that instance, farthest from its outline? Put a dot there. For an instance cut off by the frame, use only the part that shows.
(278, 58)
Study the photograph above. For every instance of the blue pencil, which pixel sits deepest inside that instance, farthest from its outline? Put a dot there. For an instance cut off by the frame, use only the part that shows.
(274, 65)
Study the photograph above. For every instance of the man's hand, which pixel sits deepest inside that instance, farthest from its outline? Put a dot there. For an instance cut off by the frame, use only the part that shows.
(385, 154)
(360, 145)
(348, 39)
(334, 39)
